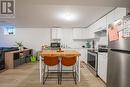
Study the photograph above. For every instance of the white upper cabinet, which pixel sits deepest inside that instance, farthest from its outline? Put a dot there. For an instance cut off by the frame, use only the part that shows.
(80, 33)
(103, 22)
(115, 15)
(91, 34)
(96, 25)
(85, 33)
(120, 13)
(100, 24)
(110, 17)
(56, 33)
(77, 33)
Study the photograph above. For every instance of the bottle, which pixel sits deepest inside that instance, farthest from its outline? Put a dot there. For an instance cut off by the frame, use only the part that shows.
(93, 45)
(59, 49)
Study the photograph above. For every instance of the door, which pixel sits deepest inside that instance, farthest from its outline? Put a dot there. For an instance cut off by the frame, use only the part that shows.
(118, 74)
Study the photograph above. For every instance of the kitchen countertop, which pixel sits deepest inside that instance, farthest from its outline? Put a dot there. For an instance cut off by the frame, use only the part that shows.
(93, 51)
(75, 48)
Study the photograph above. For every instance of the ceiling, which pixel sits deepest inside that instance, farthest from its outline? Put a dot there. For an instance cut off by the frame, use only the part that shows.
(46, 13)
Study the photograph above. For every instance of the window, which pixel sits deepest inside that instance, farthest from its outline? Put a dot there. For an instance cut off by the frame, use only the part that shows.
(9, 30)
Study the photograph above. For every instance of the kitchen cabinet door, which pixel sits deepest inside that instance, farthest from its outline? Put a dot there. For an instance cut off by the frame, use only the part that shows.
(91, 32)
(102, 23)
(56, 33)
(85, 33)
(77, 33)
(86, 53)
(120, 13)
(59, 33)
(83, 56)
(96, 26)
(102, 66)
(110, 17)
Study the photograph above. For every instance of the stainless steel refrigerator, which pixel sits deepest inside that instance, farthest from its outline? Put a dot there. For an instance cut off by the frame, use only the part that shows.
(118, 73)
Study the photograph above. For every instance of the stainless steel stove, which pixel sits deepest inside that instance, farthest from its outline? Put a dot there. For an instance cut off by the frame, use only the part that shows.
(92, 61)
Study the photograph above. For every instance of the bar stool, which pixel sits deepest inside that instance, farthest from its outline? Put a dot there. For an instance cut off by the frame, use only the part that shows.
(69, 61)
(50, 61)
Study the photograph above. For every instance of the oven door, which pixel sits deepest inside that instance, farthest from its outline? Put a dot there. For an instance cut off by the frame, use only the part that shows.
(92, 60)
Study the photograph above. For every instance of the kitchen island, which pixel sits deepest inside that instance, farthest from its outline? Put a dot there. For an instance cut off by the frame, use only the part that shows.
(60, 54)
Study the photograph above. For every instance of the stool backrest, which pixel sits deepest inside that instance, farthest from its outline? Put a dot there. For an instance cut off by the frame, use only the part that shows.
(68, 60)
(51, 60)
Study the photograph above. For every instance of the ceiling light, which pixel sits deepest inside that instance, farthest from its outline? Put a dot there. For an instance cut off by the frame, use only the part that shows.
(68, 16)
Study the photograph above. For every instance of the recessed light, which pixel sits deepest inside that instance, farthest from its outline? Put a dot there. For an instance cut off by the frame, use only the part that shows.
(68, 16)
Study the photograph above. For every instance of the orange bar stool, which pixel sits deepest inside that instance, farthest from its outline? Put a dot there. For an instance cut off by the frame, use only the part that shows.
(69, 61)
(50, 61)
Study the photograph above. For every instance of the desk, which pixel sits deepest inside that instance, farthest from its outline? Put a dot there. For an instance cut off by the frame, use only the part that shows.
(60, 54)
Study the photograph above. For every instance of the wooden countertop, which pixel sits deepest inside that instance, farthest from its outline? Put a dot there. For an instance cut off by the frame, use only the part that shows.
(55, 53)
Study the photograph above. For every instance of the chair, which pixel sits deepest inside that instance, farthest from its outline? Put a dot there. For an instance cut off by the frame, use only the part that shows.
(69, 61)
(50, 61)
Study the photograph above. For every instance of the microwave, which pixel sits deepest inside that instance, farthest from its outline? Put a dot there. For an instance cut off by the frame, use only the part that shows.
(55, 45)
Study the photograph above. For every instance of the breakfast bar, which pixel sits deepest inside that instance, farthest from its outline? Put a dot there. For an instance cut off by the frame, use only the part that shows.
(60, 54)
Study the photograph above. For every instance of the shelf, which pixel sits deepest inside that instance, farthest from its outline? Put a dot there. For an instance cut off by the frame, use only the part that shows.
(16, 58)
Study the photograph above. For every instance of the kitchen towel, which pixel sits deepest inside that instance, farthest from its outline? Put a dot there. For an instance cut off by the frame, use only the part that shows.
(113, 33)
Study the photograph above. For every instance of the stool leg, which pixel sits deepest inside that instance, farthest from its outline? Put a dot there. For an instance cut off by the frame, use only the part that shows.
(47, 73)
(44, 75)
(75, 74)
(58, 73)
(44, 70)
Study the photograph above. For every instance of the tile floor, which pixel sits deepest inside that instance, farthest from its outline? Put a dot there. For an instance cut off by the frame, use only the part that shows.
(28, 76)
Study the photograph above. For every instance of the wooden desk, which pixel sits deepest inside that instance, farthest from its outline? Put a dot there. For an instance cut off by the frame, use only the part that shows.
(60, 54)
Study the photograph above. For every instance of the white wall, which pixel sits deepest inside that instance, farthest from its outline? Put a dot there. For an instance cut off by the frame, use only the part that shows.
(31, 37)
